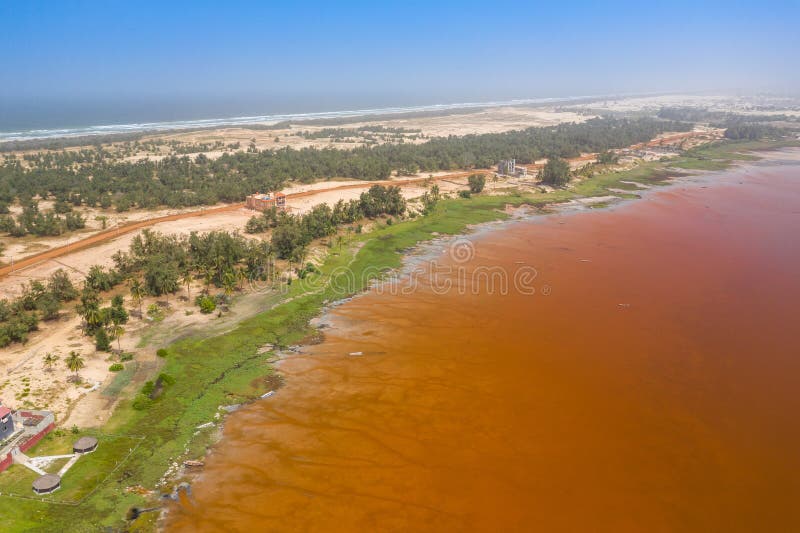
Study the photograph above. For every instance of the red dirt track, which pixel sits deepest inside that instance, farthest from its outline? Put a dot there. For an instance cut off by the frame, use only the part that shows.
(113, 233)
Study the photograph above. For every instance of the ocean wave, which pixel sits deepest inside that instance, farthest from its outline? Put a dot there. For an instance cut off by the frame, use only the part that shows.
(109, 129)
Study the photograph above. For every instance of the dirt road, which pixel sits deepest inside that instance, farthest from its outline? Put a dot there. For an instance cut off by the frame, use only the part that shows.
(113, 233)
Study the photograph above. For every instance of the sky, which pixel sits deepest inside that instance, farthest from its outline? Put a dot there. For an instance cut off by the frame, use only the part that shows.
(360, 54)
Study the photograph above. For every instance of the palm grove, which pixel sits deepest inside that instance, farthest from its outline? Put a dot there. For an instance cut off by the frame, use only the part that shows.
(90, 177)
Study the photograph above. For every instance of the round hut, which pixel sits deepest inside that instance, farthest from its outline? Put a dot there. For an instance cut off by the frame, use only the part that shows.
(85, 445)
(46, 484)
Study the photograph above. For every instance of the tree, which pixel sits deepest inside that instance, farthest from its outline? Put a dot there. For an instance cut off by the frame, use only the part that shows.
(101, 340)
(430, 199)
(607, 158)
(160, 277)
(49, 361)
(241, 277)
(61, 287)
(48, 305)
(118, 331)
(75, 362)
(100, 280)
(90, 177)
(555, 172)
(286, 237)
(476, 183)
(186, 278)
(229, 283)
(137, 292)
(208, 277)
(117, 313)
(93, 317)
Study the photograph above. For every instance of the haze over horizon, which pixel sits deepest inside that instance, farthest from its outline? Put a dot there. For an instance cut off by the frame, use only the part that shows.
(201, 59)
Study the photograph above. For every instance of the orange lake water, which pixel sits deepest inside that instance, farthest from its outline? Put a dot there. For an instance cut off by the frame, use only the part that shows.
(651, 382)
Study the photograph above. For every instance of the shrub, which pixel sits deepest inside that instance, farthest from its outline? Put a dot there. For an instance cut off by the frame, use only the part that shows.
(166, 379)
(465, 194)
(101, 340)
(206, 304)
(161, 352)
(141, 402)
(306, 270)
(147, 388)
(116, 367)
(476, 183)
(155, 312)
(555, 172)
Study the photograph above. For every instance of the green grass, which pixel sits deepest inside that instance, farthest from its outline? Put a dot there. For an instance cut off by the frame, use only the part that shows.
(716, 156)
(649, 174)
(23, 510)
(723, 154)
(121, 380)
(227, 369)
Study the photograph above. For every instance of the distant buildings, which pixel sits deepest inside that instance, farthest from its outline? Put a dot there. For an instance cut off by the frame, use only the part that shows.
(20, 431)
(6, 423)
(261, 202)
(508, 167)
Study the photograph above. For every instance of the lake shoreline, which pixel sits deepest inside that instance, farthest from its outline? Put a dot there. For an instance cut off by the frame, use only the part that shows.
(428, 250)
(241, 370)
(423, 251)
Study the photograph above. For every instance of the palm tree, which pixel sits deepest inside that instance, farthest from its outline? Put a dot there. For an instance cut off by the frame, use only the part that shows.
(271, 265)
(136, 293)
(187, 279)
(49, 361)
(220, 267)
(75, 362)
(229, 283)
(241, 277)
(208, 276)
(118, 331)
(93, 316)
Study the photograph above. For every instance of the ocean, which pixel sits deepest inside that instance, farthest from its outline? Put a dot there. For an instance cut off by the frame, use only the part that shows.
(21, 121)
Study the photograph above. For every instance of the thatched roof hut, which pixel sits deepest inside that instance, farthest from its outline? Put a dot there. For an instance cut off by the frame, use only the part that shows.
(46, 484)
(85, 445)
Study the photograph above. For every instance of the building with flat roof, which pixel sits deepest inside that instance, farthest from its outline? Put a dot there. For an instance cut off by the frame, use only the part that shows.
(6, 423)
(507, 167)
(24, 429)
(262, 202)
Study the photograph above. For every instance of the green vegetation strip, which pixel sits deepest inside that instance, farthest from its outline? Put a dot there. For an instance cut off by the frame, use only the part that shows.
(223, 370)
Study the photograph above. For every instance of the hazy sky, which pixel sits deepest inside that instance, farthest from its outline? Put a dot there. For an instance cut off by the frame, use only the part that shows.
(383, 50)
